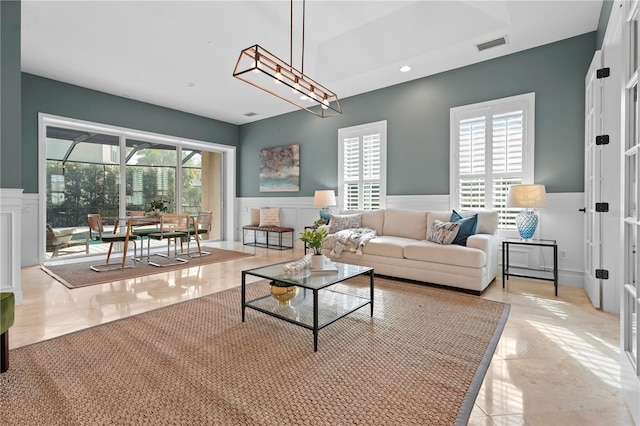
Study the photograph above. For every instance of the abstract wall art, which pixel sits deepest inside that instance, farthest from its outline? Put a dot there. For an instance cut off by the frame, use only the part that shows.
(280, 169)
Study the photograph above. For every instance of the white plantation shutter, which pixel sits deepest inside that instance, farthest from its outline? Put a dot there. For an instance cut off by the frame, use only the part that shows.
(491, 149)
(362, 166)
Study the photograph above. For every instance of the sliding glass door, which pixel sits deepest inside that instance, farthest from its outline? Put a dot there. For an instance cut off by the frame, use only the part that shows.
(85, 170)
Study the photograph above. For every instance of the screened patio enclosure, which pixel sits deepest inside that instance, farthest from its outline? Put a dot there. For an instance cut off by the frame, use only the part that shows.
(86, 172)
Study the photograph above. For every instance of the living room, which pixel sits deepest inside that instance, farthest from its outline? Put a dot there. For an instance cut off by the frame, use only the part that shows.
(417, 113)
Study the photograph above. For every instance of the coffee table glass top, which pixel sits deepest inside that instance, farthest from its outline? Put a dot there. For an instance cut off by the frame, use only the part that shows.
(308, 279)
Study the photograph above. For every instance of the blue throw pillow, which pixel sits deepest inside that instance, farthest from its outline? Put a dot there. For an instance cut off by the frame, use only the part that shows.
(467, 227)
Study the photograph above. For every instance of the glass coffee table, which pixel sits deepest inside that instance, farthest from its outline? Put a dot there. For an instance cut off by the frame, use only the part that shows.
(316, 301)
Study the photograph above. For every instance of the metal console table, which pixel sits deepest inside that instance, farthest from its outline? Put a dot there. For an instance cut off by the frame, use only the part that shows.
(540, 274)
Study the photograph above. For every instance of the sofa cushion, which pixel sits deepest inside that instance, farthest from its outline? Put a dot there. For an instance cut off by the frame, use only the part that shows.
(487, 219)
(443, 232)
(387, 246)
(467, 227)
(449, 254)
(405, 223)
(372, 219)
(340, 222)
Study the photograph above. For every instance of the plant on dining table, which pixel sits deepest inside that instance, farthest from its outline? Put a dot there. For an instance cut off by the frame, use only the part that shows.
(158, 204)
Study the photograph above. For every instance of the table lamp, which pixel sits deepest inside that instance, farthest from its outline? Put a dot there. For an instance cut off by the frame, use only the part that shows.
(529, 197)
(324, 199)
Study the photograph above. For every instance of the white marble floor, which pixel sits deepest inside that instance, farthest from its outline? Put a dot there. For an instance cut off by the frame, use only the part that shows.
(556, 363)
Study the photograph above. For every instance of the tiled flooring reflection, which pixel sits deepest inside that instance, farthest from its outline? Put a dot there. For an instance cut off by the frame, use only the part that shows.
(556, 363)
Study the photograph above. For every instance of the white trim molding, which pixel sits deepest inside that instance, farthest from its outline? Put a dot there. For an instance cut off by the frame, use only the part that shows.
(10, 243)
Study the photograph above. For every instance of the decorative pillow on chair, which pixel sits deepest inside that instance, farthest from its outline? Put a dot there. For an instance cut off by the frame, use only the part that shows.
(270, 217)
(443, 232)
(339, 222)
(467, 227)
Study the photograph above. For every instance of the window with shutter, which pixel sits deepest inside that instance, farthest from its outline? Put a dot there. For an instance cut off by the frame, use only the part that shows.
(491, 149)
(362, 165)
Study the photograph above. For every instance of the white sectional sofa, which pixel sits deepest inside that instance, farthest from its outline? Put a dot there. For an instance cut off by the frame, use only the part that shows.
(401, 248)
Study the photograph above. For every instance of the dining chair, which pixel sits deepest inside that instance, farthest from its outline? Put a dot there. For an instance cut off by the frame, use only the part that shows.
(201, 225)
(173, 226)
(97, 233)
(141, 229)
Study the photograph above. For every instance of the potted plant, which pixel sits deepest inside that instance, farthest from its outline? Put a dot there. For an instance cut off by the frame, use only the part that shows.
(313, 238)
(158, 205)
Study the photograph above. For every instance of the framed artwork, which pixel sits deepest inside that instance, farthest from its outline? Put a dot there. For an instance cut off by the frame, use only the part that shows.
(280, 169)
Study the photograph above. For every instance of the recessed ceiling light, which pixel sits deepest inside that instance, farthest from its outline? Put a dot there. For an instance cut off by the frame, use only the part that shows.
(190, 84)
(405, 68)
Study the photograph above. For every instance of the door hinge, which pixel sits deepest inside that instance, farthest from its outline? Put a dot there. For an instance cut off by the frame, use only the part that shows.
(602, 140)
(603, 72)
(602, 207)
(602, 274)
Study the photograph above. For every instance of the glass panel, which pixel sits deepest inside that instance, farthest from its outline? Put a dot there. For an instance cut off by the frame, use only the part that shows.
(371, 157)
(472, 146)
(507, 142)
(151, 173)
(351, 191)
(472, 193)
(82, 176)
(632, 107)
(191, 181)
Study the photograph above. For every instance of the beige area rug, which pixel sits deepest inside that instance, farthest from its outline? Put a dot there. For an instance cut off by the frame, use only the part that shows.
(419, 360)
(74, 275)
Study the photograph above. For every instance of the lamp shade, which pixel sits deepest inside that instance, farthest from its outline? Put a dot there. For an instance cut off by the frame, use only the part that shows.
(527, 196)
(324, 198)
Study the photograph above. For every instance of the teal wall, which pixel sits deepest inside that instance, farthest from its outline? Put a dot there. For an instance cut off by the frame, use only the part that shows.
(605, 13)
(53, 97)
(10, 111)
(417, 114)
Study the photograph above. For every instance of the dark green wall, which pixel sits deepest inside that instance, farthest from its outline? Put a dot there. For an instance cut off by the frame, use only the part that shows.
(10, 130)
(417, 115)
(53, 97)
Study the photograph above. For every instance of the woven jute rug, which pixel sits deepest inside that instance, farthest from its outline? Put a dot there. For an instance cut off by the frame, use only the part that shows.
(74, 275)
(419, 360)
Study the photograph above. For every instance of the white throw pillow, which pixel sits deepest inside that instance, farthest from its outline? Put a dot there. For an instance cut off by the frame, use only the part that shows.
(443, 232)
(255, 217)
(270, 217)
(340, 222)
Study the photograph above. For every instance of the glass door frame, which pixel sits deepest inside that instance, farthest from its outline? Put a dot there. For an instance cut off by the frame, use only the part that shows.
(227, 152)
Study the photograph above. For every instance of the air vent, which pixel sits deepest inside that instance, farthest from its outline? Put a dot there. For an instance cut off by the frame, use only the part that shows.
(491, 43)
(250, 114)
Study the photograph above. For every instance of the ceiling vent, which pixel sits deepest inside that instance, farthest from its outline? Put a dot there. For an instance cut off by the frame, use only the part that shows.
(250, 114)
(491, 43)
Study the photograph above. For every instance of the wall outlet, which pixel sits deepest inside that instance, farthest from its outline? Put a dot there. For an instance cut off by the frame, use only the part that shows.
(563, 254)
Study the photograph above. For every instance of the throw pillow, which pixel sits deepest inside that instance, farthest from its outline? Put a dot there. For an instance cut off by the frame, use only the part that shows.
(270, 217)
(339, 222)
(467, 227)
(443, 232)
(255, 217)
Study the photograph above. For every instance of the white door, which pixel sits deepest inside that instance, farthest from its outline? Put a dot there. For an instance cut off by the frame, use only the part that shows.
(592, 190)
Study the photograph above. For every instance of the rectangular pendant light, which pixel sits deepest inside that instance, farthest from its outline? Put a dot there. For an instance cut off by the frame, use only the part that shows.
(264, 70)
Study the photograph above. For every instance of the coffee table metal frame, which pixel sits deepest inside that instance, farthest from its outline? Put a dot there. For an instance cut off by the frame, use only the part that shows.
(340, 303)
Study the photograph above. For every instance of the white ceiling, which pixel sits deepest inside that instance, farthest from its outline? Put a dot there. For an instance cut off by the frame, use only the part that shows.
(152, 51)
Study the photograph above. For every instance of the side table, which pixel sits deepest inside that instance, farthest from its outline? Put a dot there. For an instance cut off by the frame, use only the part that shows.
(540, 274)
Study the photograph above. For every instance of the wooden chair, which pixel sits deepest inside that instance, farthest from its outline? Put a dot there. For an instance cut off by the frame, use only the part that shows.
(97, 233)
(172, 227)
(201, 225)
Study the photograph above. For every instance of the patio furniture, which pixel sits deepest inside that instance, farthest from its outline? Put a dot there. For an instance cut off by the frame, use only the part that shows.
(63, 238)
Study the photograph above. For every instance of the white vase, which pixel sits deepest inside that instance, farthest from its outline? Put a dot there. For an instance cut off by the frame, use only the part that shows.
(317, 261)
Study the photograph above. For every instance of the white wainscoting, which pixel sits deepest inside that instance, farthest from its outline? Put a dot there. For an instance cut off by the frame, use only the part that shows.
(32, 236)
(560, 220)
(10, 243)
